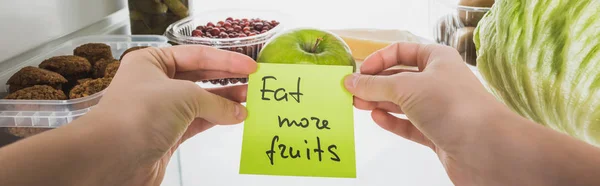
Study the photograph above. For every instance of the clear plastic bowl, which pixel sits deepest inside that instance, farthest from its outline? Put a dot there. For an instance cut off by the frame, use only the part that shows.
(180, 32)
(54, 113)
(453, 25)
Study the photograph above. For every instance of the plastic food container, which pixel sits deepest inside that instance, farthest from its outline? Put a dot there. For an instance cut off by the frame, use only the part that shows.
(453, 23)
(180, 33)
(42, 115)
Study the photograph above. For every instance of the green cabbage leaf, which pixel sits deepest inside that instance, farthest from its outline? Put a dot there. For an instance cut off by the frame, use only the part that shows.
(542, 59)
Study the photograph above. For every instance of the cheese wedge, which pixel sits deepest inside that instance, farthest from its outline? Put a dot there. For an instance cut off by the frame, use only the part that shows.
(363, 42)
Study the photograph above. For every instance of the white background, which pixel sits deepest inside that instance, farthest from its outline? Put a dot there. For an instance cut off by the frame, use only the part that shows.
(212, 157)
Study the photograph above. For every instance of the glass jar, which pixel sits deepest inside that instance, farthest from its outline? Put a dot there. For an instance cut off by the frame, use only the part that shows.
(154, 16)
(454, 21)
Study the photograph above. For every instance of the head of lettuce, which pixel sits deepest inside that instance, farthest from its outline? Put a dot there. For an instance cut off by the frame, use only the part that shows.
(542, 59)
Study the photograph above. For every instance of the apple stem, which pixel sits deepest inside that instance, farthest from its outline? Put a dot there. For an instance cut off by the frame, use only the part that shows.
(314, 48)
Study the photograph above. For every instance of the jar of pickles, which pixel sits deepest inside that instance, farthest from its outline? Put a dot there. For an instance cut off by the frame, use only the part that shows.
(154, 16)
(454, 22)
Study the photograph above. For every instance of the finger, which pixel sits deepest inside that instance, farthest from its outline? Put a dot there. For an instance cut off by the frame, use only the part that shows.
(207, 75)
(370, 105)
(406, 54)
(198, 57)
(183, 58)
(236, 93)
(395, 71)
(400, 127)
(395, 54)
(376, 88)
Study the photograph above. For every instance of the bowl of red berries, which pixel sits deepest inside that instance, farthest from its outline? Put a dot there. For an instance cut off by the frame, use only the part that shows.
(243, 31)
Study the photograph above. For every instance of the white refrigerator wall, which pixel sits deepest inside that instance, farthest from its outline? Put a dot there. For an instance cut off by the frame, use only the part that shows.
(27, 24)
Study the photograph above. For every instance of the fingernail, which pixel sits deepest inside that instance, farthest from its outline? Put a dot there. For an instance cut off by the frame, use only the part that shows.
(352, 81)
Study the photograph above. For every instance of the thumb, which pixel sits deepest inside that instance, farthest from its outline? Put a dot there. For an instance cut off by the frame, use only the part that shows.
(372, 87)
(216, 109)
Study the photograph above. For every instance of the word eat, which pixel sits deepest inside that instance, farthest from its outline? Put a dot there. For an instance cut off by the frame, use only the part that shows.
(284, 95)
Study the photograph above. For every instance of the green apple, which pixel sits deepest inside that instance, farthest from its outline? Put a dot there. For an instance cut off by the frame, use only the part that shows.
(307, 46)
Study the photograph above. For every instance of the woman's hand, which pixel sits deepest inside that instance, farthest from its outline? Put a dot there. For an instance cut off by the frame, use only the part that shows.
(151, 106)
(478, 140)
(442, 98)
(155, 88)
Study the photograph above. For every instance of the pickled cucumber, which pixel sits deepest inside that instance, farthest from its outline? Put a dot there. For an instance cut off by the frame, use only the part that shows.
(154, 16)
(177, 7)
(135, 15)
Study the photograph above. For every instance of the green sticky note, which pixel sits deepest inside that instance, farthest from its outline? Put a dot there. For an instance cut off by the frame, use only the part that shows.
(300, 122)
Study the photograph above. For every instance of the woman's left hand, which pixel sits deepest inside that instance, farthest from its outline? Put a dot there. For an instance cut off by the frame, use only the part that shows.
(160, 105)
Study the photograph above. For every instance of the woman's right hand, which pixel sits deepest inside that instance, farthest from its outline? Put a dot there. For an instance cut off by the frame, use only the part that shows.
(444, 101)
(478, 140)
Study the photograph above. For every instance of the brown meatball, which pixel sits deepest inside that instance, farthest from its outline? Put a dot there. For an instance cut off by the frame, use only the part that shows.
(38, 92)
(29, 76)
(90, 87)
(131, 50)
(81, 81)
(68, 65)
(99, 68)
(94, 52)
(111, 70)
